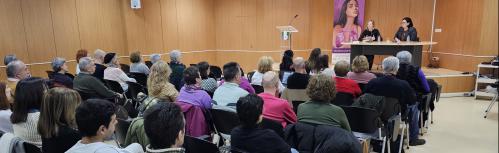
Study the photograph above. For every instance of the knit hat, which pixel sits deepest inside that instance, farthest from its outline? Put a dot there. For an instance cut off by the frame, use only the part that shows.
(109, 57)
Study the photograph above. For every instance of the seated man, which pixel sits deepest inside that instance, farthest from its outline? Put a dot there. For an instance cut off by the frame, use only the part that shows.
(248, 137)
(96, 120)
(164, 126)
(389, 86)
(343, 84)
(229, 92)
(299, 79)
(275, 108)
(84, 82)
(16, 70)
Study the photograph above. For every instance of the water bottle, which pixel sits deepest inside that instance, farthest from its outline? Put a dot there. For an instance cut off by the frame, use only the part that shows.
(408, 38)
(379, 38)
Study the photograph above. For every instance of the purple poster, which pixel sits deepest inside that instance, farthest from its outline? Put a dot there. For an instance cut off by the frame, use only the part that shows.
(348, 25)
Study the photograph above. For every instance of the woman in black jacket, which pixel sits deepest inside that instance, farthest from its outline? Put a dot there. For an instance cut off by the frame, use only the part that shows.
(370, 34)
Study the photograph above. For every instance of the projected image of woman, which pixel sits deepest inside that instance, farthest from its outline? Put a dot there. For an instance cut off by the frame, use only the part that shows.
(347, 28)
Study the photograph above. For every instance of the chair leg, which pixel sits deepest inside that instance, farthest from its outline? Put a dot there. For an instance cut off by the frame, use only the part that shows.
(421, 122)
(490, 106)
(384, 145)
(388, 142)
(401, 139)
(431, 117)
(408, 135)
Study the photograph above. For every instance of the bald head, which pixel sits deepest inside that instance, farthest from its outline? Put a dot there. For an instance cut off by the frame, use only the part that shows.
(270, 80)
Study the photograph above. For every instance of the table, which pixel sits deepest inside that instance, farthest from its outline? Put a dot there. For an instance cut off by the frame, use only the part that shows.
(388, 48)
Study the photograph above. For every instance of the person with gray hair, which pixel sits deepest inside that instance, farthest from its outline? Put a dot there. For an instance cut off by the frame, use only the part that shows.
(155, 58)
(411, 73)
(299, 79)
(390, 86)
(275, 108)
(59, 76)
(177, 69)
(89, 86)
(16, 71)
(343, 83)
(9, 58)
(99, 64)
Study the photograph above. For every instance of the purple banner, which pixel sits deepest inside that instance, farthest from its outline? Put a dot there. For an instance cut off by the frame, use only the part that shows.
(348, 24)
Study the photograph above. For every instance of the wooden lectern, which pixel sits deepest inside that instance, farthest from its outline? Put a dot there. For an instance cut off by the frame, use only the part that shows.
(286, 31)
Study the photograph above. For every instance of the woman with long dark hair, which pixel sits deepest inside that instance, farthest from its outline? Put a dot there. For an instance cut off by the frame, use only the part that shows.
(406, 31)
(287, 61)
(347, 27)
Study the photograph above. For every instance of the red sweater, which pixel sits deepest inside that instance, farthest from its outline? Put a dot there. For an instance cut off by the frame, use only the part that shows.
(345, 85)
(277, 109)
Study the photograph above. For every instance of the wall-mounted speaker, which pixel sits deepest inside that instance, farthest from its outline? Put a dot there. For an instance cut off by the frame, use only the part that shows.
(135, 4)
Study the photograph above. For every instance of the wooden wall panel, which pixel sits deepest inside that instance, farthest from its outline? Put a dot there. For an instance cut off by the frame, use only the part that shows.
(12, 38)
(65, 26)
(489, 33)
(169, 20)
(39, 31)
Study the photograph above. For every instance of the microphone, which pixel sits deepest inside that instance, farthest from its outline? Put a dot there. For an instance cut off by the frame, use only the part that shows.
(293, 19)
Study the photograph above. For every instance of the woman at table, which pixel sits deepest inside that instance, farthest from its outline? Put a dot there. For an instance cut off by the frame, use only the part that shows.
(406, 30)
(347, 28)
(370, 34)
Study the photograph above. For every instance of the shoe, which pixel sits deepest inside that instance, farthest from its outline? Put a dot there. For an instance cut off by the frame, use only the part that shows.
(417, 142)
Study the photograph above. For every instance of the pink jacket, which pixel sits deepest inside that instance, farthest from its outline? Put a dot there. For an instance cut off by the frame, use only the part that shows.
(277, 109)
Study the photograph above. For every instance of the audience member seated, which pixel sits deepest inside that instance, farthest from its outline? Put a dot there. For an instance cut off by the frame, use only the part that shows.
(244, 83)
(343, 84)
(96, 120)
(16, 70)
(323, 65)
(9, 58)
(5, 111)
(191, 92)
(264, 65)
(164, 126)
(411, 73)
(287, 61)
(248, 137)
(137, 65)
(26, 109)
(158, 83)
(155, 58)
(177, 69)
(275, 108)
(59, 77)
(389, 86)
(85, 83)
(208, 84)
(322, 89)
(229, 92)
(80, 54)
(313, 59)
(299, 79)
(113, 71)
(99, 64)
(359, 73)
(57, 125)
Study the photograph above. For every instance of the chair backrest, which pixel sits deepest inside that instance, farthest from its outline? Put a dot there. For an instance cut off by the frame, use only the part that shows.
(114, 86)
(392, 107)
(195, 145)
(296, 104)
(140, 77)
(121, 129)
(363, 120)
(49, 73)
(362, 86)
(426, 102)
(224, 120)
(215, 72)
(148, 64)
(272, 125)
(125, 68)
(134, 89)
(258, 88)
(30, 148)
(343, 99)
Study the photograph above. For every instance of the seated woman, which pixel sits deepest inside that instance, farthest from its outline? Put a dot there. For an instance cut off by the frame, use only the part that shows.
(57, 124)
(5, 111)
(158, 83)
(177, 68)
(26, 111)
(370, 34)
(406, 31)
(323, 65)
(313, 59)
(412, 74)
(137, 65)
(264, 65)
(59, 76)
(113, 71)
(359, 72)
(207, 83)
(191, 92)
(287, 61)
(322, 89)
(343, 84)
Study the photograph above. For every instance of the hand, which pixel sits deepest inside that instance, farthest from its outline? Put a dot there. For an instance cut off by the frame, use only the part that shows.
(397, 40)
